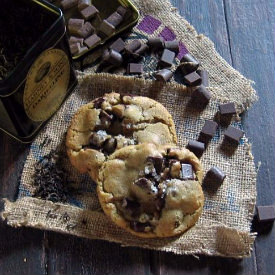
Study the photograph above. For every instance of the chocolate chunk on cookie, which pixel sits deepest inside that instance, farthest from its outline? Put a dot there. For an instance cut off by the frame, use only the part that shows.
(152, 206)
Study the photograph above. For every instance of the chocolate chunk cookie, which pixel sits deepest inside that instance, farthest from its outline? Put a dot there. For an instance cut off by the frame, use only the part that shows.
(114, 121)
(152, 191)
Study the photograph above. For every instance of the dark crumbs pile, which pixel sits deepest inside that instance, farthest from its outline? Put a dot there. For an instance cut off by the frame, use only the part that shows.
(51, 178)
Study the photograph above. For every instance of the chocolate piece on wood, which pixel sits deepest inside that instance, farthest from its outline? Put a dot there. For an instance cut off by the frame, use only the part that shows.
(209, 129)
(189, 58)
(106, 28)
(118, 45)
(82, 4)
(67, 4)
(75, 48)
(141, 50)
(227, 109)
(134, 68)
(196, 147)
(122, 10)
(188, 67)
(164, 75)
(132, 47)
(155, 43)
(172, 46)
(204, 77)
(92, 40)
(187, 172)
(115, 19)
(214, 176)
(74, 39)
(192, 79)
(113, 57)
(265, 213)
(89, 12)
(233, 134)
(74, 24)
(86, 30)
(201, 96)
(167, 58)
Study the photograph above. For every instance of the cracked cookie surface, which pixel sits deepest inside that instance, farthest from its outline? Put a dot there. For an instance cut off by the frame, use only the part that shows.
(152, 191)
(114, 121)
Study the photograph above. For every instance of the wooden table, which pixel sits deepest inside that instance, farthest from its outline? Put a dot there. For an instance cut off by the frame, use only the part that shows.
(244, 34)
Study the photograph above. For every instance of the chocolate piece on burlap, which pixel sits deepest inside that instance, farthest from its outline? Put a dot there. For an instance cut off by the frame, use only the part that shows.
(224, 226)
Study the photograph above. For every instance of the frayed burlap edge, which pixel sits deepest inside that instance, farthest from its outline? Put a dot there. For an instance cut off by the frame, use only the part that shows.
(226, 242)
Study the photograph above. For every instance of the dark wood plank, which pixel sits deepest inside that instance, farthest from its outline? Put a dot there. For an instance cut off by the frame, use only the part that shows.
(251, 26)
(21, 250)
(72, 255)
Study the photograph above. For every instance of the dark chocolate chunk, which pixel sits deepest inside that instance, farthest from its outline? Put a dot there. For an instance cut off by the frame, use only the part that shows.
(118, 45)
(122, 11)
(106, 28)
(164, 75)
(74, 39)
(227, 109)
(189, 58)
(130, 204)
(138, 226)
(167, 58)
(233, 134)
(74, 48)
(188, 67)
(89, 12)
(86, 30)
(142, 49)
(74, 24)
(134, 68)
(192, 79)
(113, 57)
(142, 182)
(98, 102)
(201, 96)
(82, 4)
(196, 147)
(110, 145)
(155, 43)
(204, 77)
(172, 46)
(266, 213)
(114, 19)
(92, 40)
(97, 139)
(157, 162)
(132, 47)
(105, 119)
(187, 172)
(209, 129)
(214, 176)
(67, 4)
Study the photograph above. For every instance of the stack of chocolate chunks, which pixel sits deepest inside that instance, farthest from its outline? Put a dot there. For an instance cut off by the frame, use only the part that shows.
(83, 35)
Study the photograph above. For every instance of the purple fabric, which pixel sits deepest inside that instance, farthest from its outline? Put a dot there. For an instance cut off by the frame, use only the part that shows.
(149, 24)
(183, 51)
(167, 34)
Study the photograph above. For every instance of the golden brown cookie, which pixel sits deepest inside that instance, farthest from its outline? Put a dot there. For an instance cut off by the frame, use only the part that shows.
(152, 191)
(112, 122)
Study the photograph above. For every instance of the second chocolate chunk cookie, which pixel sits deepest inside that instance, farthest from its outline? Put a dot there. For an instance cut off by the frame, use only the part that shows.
(152, 191)
(114, 121)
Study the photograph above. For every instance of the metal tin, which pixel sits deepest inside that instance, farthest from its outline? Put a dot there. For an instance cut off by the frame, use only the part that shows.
(40, 82)
(105, 7)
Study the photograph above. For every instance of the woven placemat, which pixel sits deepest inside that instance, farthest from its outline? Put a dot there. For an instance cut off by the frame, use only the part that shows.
(224, 227)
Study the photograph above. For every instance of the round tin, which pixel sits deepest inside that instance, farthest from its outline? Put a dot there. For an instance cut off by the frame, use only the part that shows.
(40, 83)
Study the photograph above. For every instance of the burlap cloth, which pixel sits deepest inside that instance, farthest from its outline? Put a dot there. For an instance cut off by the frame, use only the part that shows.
(224, 227)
